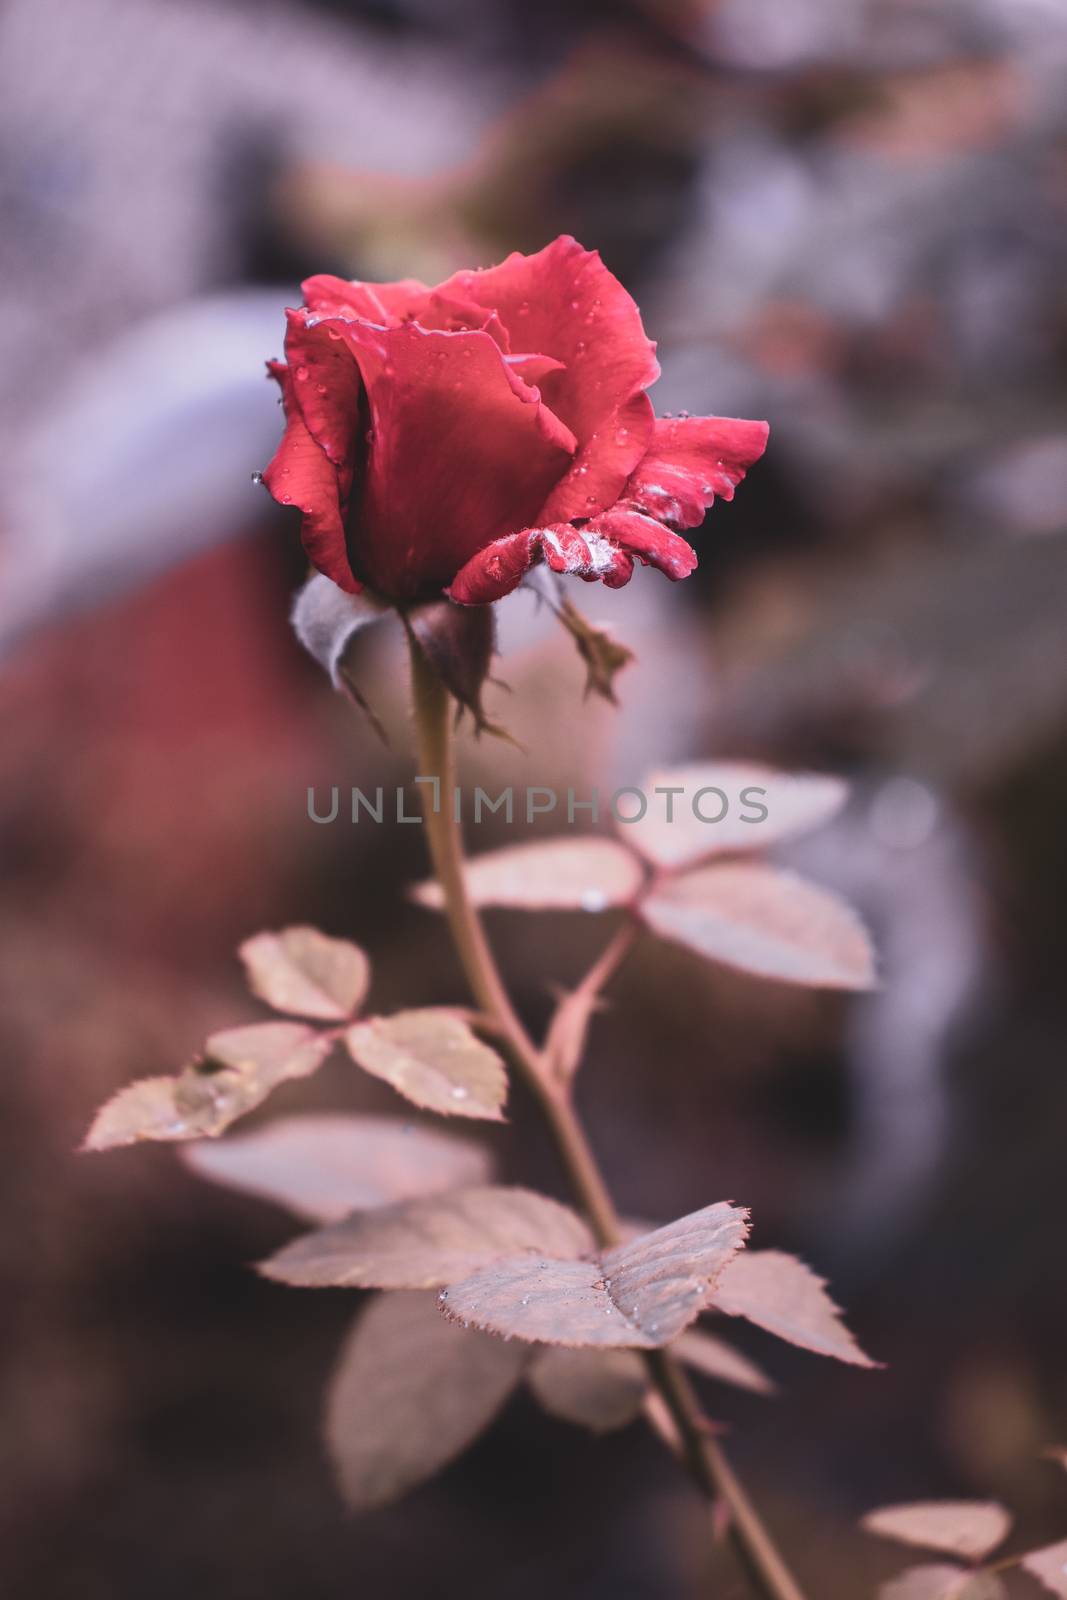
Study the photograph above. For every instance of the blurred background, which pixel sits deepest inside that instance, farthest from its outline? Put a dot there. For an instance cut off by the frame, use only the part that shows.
(847, 216)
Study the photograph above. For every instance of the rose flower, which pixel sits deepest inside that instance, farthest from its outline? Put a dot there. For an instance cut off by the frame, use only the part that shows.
(445, 440)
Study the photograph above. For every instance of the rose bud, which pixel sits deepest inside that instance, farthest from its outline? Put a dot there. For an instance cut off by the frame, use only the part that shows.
(444, 440)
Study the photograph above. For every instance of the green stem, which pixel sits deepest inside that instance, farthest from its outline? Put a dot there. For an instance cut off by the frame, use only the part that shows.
(678, 1416)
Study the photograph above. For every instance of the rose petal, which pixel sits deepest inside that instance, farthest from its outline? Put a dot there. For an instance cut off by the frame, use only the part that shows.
(383, 303)
(565, 302)
(457, 456)
(328, 389)
(496, 570)
(301, 475)
(532, 369)
(649, 540)
(603, 464)
(691, 460)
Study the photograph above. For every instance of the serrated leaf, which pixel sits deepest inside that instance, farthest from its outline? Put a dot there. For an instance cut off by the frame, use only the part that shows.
(433, 1059)
(794, 802)
(603, 655)
(716, 1359)
(597, 1389)
(1049, 1566)
(425, 1243)
(324, 1166)
(782, 1295)
(764, 921)
(943, 1582)
(307, 974)
(326, 620)
(240, 1068)
(409, 1394)
(458, 642)
(640, 1294)
(970, 1528)
(586, 874)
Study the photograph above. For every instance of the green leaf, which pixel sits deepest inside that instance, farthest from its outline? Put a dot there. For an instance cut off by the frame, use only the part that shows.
(409, 1394)
(714, 1358)
(432, 1058)
(425, 1243)
(968, 1528)
(307, 974)
(764, 921)
(585, 874)
(1049, 1566)
(323, 1166)
(943, 1582)
(597, 1389)
(779, 1293)
(640, 1294)
(240, 1068)
(793, 803)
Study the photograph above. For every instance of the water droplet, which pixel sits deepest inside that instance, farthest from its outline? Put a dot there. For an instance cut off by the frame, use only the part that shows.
(581, 471)
(576, 305)
(257, 477)
(369, 436)
(460, 1092)
(525, 1301)
(590, 499)
(579, 347)
(524, 309)
(320, 388)
(622, 435)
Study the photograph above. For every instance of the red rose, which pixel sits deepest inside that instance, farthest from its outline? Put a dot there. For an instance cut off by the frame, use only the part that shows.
(447, 439)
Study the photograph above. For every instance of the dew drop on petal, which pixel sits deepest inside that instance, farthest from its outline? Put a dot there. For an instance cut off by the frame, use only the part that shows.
(301, 374)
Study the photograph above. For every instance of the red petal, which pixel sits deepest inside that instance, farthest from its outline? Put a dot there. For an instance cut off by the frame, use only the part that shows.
(533, 369)
(496, 570)
(690, 461)
(385, 304)
(649, 540)
(327, 386)
(603, 464)
(457, 454)
(301, 475)
(564, 301)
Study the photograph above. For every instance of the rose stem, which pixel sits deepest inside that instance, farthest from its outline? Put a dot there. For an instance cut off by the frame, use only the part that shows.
(680, 1419)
